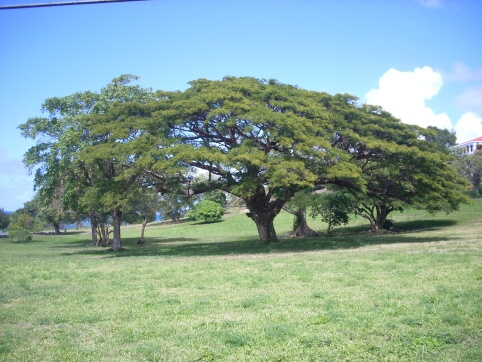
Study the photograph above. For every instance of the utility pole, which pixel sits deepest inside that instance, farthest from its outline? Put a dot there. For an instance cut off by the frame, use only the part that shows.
(62, 3)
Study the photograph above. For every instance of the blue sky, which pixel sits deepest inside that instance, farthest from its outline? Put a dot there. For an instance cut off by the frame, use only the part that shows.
(419, 59)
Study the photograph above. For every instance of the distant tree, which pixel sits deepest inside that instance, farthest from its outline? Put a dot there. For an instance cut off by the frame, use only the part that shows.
(4, 220)
(470, 167)
(442, 138)
(52, 210)
(173, 206)
(216, 196)
(206, 211)
(142, 208)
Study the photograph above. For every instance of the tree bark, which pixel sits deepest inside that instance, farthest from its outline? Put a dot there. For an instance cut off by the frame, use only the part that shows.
(263, 210)
(104, 233)
(376, 215)
(56, 229)
(265, 226)
(116, 224)
(94, 224)
(144, 224)
(303, 229)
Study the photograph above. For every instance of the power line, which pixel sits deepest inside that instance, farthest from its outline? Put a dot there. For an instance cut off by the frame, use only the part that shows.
(63, 3)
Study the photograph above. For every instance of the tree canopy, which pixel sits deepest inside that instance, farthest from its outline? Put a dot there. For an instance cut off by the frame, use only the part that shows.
(263, 140)
(260, 140)
(400, 168)
(76, 149)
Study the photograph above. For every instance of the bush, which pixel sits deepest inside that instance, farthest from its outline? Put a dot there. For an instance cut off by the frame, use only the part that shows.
(207, 211)
(21, 227)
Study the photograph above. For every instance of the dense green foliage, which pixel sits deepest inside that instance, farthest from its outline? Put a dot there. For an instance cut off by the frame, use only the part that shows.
(206, 211)
(260, 140)
(399, 167)
(77, 150)
(217, 196)
(442, 138)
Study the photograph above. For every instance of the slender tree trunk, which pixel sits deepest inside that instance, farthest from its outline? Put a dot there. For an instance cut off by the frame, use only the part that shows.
(94, 224)
(144, 224)
(368, 213)
(116, 224)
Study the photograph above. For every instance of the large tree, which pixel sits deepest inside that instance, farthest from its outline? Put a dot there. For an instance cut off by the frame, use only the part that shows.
(77, 148)
(400, 167)
(262, 139)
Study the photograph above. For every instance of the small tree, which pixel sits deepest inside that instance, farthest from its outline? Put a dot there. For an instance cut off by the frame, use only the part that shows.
(142, 209)
(22, 225)
(206, 211)
(334, 208)
(173, 206)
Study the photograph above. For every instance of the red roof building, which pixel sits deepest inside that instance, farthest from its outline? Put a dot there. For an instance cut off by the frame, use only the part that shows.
(470, 146)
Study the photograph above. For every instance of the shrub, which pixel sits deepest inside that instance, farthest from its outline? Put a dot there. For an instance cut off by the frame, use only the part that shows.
(207, 211)
(21, 227)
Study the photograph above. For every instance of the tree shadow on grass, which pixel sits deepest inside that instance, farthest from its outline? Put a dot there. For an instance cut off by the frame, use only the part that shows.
(401, 226)
(345, 239)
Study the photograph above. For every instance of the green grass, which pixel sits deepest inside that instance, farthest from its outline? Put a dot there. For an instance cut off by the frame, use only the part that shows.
(209, 292)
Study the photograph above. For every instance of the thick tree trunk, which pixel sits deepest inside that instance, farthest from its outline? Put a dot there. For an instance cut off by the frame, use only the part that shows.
(56, 229)
(116, 224)
(303, 229)
(265, 228)
(382, 214)
(263, 210)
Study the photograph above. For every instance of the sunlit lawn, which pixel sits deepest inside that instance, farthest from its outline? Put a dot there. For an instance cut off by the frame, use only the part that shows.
(207, 292)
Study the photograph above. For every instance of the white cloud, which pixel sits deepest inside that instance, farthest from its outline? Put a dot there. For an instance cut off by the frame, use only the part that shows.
(404, 95)
(431, 3)
(470, 99)
(468, 127)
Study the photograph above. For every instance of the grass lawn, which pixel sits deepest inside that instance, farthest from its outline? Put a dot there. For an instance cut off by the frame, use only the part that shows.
(209, 292)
